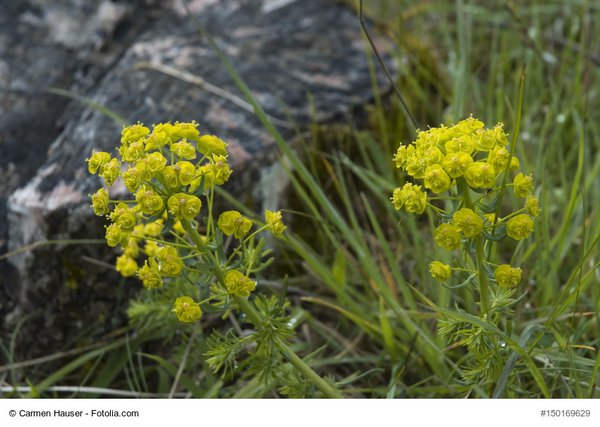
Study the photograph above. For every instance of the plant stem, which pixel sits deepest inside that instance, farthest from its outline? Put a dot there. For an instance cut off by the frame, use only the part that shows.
(479, 255)
(293, 358)
(248, 309)
(483, 279)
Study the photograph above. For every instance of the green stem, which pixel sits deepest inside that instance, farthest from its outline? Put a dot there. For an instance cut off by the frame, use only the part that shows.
(483, 279)
(484, 292)
(248, 309)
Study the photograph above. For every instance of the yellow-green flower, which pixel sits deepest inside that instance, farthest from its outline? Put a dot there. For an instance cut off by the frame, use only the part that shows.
(401, 156)
(498, 158)
(100, 202)
(159, 137)
(480, 175)
(124, 217)
(184, 150)
(440, 271)
(132, 178)
(186, 130)
(132, 152)
(499, 135)
(149, 202)
(187, 310)
(455, 164)
(185, 172)
(111, 171)
(153, 229)
(232, 222)
(274, 222)
(468, 222)
(532, 205)
(469, 125)
(411, 198)
(436, 179)
(150, 276)
(210, 144)
(519, 227)
(432, 156)
(219, 170)
(507, 276)
(115, 236)
(155, 162)
(523, 184)
(133, 133)
(151, 248)
(126, 265)
(183, 205)
(415, 166)
(132, 249)
(97, 160)
(446, 236)
(182, 173)
(169, 262)
(238, 284)
(463, 143)
(485, 140)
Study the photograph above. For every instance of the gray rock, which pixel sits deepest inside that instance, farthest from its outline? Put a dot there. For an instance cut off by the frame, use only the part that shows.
(289, 52)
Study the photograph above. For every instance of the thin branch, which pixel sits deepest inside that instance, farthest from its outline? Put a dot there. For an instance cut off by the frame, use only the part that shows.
(385, 69)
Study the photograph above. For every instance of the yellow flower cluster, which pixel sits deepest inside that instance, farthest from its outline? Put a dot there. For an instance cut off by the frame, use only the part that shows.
(466, 160)
(166, 169)
(439, 156)
(169, 169)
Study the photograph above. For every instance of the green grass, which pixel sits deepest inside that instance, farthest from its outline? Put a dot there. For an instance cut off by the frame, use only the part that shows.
(358, 270)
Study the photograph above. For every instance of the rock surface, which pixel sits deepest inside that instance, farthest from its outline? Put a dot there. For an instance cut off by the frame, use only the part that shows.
(145, 63)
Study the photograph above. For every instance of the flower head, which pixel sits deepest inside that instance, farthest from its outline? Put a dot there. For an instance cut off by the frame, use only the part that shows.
(411, 198)
(464, 143)
(133, 133)
(116, 236)
(182, 205)
(519, 227)
(440, 271)
(455, 164)
(186, 130)
(169, 262)
(507, 276)
(100, 202)
(468, 222)
(274, 222)
(110, 171)
(210, 144)
(480, 175)
(238, 284)
(436, 179)
(97, 160)
(446, 236)
(532, 205)
(523, 185)
(184, 150)
(149, 201)
(187, 310)
(126, 265)
(232, 222)
(149, 275)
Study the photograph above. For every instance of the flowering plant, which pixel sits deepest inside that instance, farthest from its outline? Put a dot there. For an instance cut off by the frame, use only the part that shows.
(170, 221)
(468, 168)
